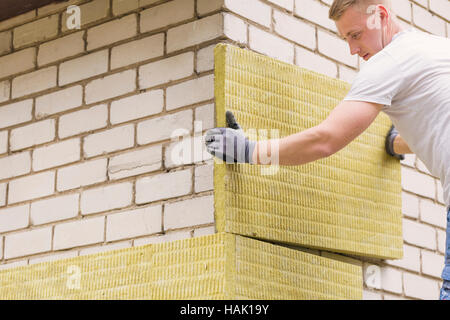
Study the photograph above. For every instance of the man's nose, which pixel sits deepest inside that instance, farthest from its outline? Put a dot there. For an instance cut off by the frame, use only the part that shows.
(354, 49)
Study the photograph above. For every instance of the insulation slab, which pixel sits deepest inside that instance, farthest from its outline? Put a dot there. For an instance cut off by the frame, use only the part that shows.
(219, 266)
(349, 202)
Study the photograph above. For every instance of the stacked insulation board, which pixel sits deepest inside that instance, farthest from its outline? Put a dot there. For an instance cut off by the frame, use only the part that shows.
(349, 202)
(219, 266)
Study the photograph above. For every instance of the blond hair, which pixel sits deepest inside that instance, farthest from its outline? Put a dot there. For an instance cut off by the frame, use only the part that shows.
(339, 6)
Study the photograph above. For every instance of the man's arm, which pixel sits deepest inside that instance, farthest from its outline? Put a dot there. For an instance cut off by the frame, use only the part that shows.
(344, 124)
(400, 146)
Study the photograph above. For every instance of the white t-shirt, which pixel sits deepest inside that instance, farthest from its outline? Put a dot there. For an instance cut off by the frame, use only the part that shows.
(411, 78)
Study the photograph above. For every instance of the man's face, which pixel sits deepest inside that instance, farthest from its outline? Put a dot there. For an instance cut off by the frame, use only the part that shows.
(361, 32)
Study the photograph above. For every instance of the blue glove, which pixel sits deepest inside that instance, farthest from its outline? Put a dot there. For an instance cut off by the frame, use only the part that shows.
(389, 143)
(230, 144)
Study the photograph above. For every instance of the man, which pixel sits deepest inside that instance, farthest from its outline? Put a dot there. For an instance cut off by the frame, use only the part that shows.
(407, 76)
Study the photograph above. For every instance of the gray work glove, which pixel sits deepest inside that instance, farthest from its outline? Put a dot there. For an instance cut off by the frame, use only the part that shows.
(389, 143)
(230, 144)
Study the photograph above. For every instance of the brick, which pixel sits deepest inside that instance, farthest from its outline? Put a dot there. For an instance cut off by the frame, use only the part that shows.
(5, 87)
(235, 28)
(79, 233)
(34, 82)
(204, 231)
(308, 60)
(402, 8)
(31, 187)
(2, 196)
(32, 134)
(441, 241)
(61, 48)
(440, 192)
(421, 167)
(184, 151)
(15, 165)
(82, 121)
(84, 174)
(188, 213)
(20, 19)
(418, 234)
(254, 10)
(137, 106)
(106, 248)
(167, 14)
(28, 243)
(5, 42)
(433, 213)
(314, 11)
(170, 236)
(441, 7)
(161, 128)
(418, 183)
(110, 86)
(135, 223)
(90, 12)
(286, 4)
(419, 287)
(391, 280)
(84, 67)
(137, 51)
(123, 6)
(347, 74)
(204, 117)
(17, 62)
(109, 141)
(207, 6)
(59, 101)
(163, 186)
(112, 32)
(166, 70)
(106, 198)
(36, 31)
(53, 257)
(14, 218)
(54, 209)
(195, 33)
(410, 160)
(427, 21)
(432, 263)
(294, 29)
(56, 154)
(205, 59)
(410, 205)
(335, 48)
(16, 113)
(204, 178)
(135, 163)
(55, 7)
(190, 92)
(3, 142)
(410, 260)
(271, 45)
(371, 295)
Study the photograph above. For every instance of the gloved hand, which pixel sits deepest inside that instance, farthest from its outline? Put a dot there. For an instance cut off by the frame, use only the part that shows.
(389, 143)
(230, 144)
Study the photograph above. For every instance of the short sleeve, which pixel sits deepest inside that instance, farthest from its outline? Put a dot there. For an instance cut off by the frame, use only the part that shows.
(378, 81)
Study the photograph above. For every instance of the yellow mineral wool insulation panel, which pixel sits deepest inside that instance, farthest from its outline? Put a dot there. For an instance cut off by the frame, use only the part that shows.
(218, 266)
(349, 202)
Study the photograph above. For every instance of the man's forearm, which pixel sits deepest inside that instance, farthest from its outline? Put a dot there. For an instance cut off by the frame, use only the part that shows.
(400, 146)
(297, 149)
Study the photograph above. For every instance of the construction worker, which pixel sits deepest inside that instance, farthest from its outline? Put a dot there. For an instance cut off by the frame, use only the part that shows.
(406, 75)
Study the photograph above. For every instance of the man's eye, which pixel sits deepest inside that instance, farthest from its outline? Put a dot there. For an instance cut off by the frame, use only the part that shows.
(355, 36)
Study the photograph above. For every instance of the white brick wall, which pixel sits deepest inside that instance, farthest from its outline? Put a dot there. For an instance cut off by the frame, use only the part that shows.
(86, 118)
